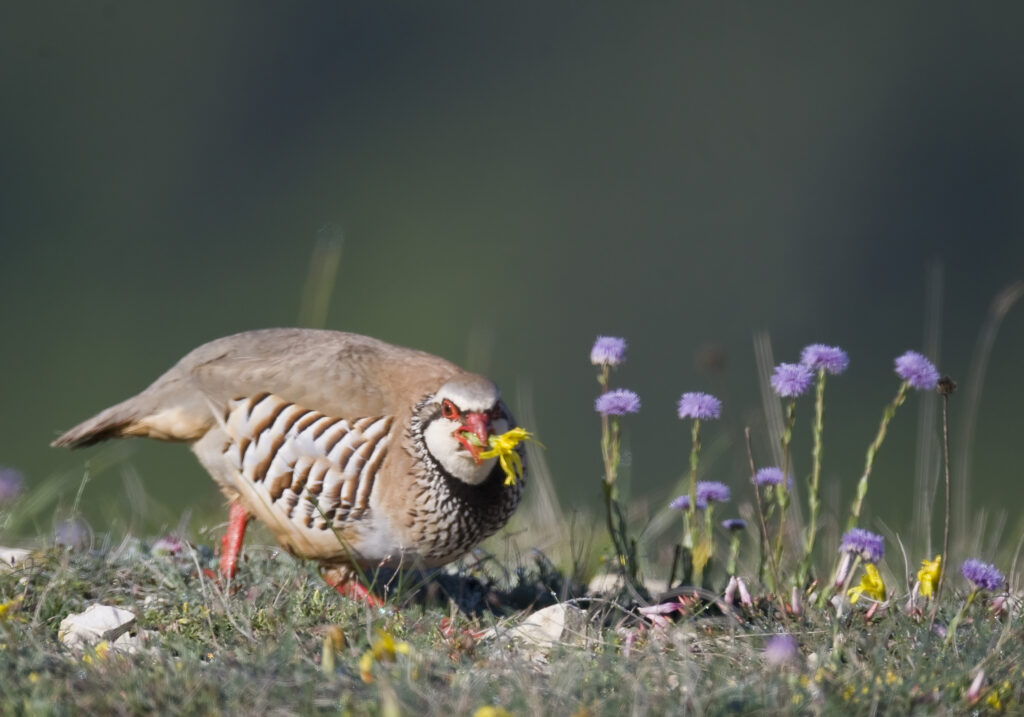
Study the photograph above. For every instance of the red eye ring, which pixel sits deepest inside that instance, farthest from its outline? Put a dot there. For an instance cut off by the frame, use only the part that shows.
(495, 413)
(448, 410)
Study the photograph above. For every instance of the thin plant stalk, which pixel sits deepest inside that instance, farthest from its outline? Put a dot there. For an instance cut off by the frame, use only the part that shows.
(765, 552)
(707, 540)
(696, 406)
(688, 538)
(862, 485)
(625, 553)
(955, 622)
(734, 552)
(836, 651)
(613, 515)
(946, 387)
(814, 491)
(782, 490)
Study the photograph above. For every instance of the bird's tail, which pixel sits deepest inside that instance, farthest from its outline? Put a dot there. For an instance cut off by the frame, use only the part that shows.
(113, 422)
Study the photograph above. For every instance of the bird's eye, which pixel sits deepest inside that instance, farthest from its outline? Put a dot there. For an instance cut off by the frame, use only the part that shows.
(448, 410)
(495, 413)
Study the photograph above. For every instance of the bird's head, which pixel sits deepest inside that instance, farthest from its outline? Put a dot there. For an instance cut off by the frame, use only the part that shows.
(458, 420)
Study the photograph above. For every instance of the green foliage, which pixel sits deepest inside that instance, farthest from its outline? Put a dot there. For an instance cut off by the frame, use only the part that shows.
(258, 647)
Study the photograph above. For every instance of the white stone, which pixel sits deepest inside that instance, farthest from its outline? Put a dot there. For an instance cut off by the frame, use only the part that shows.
(131, 644)
(12, 557)
(556, 625)
(97, 623)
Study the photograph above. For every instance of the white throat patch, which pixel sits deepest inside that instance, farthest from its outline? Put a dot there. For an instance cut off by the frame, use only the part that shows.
(452, 455)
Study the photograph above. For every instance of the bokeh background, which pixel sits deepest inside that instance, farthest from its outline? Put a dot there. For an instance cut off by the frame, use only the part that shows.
(510, 182)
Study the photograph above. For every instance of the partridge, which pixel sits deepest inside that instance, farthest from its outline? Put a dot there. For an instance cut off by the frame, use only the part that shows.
(354, 452)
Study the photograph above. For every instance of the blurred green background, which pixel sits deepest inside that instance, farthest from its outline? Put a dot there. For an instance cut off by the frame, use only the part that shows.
(510, 182)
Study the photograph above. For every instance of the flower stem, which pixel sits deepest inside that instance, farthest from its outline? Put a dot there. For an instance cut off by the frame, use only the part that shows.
(688, 539)
(813, 493)
(862, 485)
(836, 640)
(945, 530)
(774, 576)
(955, 622)
(782, 489)
(625, 555)
(734, 551)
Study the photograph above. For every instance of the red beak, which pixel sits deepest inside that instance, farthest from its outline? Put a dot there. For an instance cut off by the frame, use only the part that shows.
(479, 424)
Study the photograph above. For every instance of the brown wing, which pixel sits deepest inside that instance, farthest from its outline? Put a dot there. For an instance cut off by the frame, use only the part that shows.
(339, 374)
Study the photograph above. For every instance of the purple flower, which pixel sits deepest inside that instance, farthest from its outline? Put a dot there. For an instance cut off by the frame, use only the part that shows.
(780, 649)
(683, 503)
(917, 370)
(870, 546)
(819, 356)
(712, 492)
(985, 576)
(11, 483)
(770, 476)
(617, 403)
(791, 379)
(608, 351)
(734, 524)
(699, 406)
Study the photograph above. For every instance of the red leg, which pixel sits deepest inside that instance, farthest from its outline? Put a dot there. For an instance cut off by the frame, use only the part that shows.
(350, 587)
(231, 543)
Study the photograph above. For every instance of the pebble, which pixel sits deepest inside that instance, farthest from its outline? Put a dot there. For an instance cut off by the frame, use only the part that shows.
(100, 622)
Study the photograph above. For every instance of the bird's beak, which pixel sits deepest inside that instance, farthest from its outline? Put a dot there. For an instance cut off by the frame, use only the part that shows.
(479, 425)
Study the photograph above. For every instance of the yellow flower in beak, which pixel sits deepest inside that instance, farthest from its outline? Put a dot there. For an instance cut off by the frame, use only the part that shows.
(929, 574)
(870, 584)
(503, 448)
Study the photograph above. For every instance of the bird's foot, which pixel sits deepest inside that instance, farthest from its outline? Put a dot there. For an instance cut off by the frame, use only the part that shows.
(355, 590)
(347, 585)
(231, 543)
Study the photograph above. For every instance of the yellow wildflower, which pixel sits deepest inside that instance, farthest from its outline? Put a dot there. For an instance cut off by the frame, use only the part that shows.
(870, 584)
(492, 711)
(928, 575)
(8, 607)
(98, 652)
(383, 649)
(503, 448)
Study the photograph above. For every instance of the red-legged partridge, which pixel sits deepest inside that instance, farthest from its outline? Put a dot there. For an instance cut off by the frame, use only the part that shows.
(354, 452)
